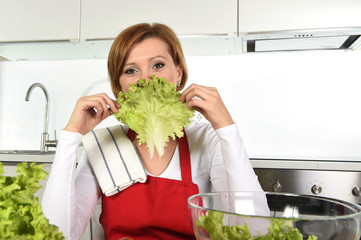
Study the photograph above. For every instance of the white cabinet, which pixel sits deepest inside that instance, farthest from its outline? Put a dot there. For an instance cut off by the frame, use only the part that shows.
(70, 29)
(275, 15)
(105, 19)
(39, 20)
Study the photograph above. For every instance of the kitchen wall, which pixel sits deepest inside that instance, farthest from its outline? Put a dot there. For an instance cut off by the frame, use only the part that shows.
(287, 105)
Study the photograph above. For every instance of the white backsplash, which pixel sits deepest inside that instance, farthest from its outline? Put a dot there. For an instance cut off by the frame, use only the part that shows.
(286, 105)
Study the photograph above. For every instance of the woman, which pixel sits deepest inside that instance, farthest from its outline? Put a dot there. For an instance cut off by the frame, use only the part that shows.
(216, 159)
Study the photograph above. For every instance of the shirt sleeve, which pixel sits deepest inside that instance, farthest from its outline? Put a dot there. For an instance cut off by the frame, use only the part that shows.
(237, 168)
(71, 192)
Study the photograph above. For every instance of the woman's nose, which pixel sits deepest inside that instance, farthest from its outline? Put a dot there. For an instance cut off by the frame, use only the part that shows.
(147, 76)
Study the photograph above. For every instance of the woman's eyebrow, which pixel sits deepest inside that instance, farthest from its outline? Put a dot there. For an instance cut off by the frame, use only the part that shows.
(130, 64)
(150, 59)
(158, 56)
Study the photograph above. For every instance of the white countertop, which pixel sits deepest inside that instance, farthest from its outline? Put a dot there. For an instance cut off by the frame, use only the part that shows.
(331, 165)
(40, 158)
(256, 163)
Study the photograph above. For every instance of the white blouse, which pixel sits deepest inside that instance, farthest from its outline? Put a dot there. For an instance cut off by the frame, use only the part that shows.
(218, 159)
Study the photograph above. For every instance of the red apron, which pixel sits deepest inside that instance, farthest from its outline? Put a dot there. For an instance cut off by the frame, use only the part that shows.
(156, 209)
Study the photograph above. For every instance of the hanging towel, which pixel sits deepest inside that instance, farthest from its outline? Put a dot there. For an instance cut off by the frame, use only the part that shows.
(114, 159)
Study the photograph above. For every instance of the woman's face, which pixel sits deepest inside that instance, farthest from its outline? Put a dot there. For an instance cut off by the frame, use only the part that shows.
(146, 58)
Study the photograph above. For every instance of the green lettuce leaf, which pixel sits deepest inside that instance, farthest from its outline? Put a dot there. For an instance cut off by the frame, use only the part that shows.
(279, 229)
(153, 110)
(21, 216)
(213, 224)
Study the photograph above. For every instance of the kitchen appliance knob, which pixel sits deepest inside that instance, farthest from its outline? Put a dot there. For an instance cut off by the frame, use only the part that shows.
(277, 187)
(316, 189)
(356, 191)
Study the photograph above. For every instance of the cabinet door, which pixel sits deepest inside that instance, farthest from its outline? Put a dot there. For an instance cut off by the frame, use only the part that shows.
(105, 19)
(39, 20)
(275, 15)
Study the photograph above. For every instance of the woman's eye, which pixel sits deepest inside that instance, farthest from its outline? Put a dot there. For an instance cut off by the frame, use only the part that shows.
(130, 71)
(158, 65)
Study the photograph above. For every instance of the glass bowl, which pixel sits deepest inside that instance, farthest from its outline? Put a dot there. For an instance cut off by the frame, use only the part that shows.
(266, 216)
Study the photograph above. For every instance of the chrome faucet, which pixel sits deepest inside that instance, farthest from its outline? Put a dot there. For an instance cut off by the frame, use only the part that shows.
(45, 142)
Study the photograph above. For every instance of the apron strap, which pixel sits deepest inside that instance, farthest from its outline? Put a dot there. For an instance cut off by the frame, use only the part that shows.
(131, 134)
(184, 155)
(185, 158)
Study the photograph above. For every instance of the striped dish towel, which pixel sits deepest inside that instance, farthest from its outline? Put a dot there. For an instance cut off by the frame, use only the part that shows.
(114, 159)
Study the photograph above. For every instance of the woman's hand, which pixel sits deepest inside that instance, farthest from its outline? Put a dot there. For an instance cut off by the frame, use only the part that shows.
(208, 102)
(89, 111)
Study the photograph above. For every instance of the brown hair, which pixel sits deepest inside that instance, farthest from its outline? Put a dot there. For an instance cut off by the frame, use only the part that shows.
(122, 44)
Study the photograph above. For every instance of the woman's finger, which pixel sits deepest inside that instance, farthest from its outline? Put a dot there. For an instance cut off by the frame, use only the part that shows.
(103, 104)
(111, 104)
(198, 105)
(202, 92)
(208, 102)
(90, 111)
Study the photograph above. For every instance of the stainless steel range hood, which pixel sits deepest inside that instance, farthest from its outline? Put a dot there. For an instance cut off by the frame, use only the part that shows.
(296, 25)
(299, 40)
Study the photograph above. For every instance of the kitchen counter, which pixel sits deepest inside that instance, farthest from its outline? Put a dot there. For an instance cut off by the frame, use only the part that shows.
(26, 156)
(331, 165)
